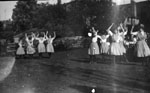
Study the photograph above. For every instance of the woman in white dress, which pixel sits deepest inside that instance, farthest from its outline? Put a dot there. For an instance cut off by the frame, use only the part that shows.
(49, 47)
(104, 44)
(20, 51)
(30, 46)
(142, 50)
(104, 47)
(115, 48)
(94, 48)
(41, 46)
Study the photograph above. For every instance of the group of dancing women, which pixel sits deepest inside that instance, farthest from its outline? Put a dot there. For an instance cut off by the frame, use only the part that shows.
(30, 49)
(116, 46)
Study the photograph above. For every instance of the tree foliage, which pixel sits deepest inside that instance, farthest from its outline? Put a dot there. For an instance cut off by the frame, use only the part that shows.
(23, 13)
(1, 26)
(74, 18)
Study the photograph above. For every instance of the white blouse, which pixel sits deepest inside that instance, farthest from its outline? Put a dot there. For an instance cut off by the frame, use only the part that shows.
(41, 40)
(94, 39)
(50, 40)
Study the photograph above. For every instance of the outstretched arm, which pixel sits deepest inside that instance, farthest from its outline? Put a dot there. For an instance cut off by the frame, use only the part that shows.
(107, 36)
(98, 36)
(36, 36)
(122, 27)
(95, 31)
(110, 26)
(93, 28)
(125, 22)
(110, 32)
(46, 37)
(26, 37)
(33, 36)
(54, 35)
(125, 31)
(133, 33)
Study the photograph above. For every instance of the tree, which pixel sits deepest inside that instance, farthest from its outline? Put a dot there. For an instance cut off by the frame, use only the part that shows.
(87, 13)
(1, 26)
(23, 14)
(50, 17)
(66, 19)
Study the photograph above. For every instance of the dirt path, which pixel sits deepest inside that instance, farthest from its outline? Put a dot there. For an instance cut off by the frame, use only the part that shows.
(70, 72)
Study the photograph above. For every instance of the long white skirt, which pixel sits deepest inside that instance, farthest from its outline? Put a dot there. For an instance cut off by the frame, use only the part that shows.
(104, 48)
(41, 48)
(93, 49)
(30, 50)
(115, 49)
(142, 49)
(20, 51)
(50, 48)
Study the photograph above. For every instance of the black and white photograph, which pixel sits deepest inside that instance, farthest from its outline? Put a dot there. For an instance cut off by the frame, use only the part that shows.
(75, 46)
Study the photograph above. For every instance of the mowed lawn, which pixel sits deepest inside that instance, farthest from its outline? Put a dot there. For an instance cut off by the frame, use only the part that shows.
(70, 72)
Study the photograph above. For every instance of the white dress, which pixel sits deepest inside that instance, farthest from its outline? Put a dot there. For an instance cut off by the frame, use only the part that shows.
(41, 46)
(104, 44)
(30, 48)
(50, 47)
(20, 50)
(141, 48)
(94, 48)
(115, 48)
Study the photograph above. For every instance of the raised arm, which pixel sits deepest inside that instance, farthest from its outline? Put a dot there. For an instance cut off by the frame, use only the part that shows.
(122, 27)
(107, 36)
(125, 22)
(54, 35)
(110, 26)
(33, 36)
(46, 35)
(98, 36)
(109, 32)
(26, 37)
(95, 31)
(125, 31)
(133, 33)
(36, 36)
